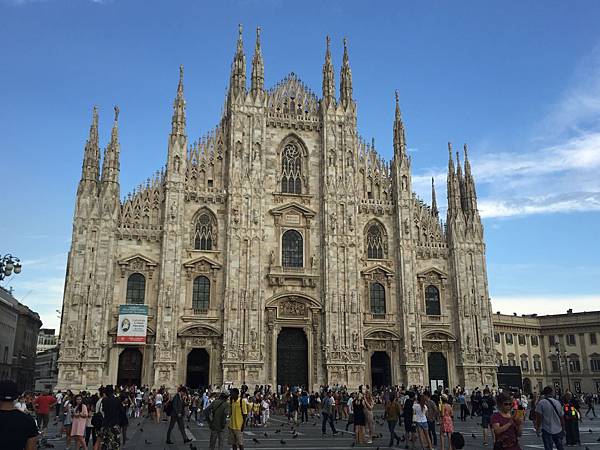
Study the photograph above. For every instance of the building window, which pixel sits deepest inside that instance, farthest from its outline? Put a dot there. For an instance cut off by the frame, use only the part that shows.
(377, 298)
(291, 170)
(497, 338)
(201, 294)
(595, 364)
(574, 364)
(521, 339)
(593, 338)
(499, 359)
(509, 338)
(375, 242)
(554, 365)
(432, 301)
(524, 363)
(571, 339)
(136, 289)
(535, 341)
(552, 340)
(537, 364)
(511, 360)
(291, 249)
(205, 232)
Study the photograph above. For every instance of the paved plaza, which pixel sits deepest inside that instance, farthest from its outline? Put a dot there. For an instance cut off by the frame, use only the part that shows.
(144, 434)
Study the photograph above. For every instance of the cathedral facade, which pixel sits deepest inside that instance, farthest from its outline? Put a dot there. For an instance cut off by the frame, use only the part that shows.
(279, 248)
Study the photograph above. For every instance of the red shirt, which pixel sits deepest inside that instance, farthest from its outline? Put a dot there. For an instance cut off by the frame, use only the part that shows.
(43, 403)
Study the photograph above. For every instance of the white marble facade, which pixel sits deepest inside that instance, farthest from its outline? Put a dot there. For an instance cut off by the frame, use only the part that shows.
(280, 218)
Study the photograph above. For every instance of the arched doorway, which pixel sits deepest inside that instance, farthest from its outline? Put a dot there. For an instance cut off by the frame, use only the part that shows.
(198, 365)
(526, 386)
(437, 366)
(130, 367)
(381, 372)
(292, 357)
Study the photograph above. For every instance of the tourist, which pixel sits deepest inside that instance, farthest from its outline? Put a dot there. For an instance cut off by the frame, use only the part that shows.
(369, 404)
(407, 415)
(42, 404)
(238, 413)
(589, 402)
(80, 415)
(68, 417)
(487, 410)
(433, 415)
(58, 404)
(420, 418)
(447, 422)
(327, 413)
(304, 407)
(358, 406)
(506, 426)
(266, 411)
(571, 411)
(215, 415)
(549, 420)
(392, 415)
(110, 433)
(350, 408)
(90, 430)
(176, 411)
(18, 431)
(158, 405)
(462, 401)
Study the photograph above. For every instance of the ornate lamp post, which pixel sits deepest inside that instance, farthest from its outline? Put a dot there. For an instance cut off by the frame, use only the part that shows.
(8, 265)
(562, 357)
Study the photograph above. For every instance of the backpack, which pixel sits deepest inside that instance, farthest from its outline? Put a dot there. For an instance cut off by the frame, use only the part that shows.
(97, 420)
(168, 408)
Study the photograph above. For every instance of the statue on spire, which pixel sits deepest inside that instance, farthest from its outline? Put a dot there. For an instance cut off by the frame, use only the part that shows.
(328, 77)
(345, 79)
(258, 69)
(399, 136)
(178, 120)
(237, 82)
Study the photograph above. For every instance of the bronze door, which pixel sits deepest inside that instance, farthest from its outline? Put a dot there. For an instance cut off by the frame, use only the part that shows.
(198, 369)
(438, 370)
(130, 367)
(292, 357)
(381, 372)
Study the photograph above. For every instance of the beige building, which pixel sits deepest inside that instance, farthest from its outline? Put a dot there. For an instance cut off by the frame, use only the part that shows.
(279, 248)
(531, 342)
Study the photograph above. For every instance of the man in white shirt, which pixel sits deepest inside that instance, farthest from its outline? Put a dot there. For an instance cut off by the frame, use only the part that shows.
(550, 420)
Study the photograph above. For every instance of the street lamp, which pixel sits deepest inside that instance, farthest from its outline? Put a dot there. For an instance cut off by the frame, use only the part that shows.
(8, 265)
(560, 358)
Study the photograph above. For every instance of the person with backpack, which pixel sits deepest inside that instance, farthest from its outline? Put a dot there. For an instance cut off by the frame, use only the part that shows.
(175, 408)
(215, 415)
(487, 410)
(550, 420)
(238, 413)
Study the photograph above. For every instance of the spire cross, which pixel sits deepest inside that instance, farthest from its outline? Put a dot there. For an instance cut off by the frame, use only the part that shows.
(116, 113)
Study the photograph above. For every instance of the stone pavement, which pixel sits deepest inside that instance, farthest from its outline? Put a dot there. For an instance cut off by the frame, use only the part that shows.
(144, 434)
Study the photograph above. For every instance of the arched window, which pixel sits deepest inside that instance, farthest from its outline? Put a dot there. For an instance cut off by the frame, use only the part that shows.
(291, 249)
(136, 289)
(205, 232)
(432, 301)
(375, 242)
(291, 169)
(377, 298)
(201, 294)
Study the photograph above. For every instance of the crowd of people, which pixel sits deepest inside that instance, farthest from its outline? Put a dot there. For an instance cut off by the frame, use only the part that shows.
(426, 417)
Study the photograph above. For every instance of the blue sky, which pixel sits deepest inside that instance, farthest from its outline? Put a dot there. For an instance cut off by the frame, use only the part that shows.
(518, 81)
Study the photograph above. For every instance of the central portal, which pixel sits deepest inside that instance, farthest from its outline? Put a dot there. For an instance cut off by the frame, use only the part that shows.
(381, 373)
(198, 365)
(438, 371)
(292, 357)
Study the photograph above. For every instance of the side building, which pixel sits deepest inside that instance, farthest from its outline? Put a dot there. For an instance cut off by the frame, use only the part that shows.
(18, 339)
(561, 350)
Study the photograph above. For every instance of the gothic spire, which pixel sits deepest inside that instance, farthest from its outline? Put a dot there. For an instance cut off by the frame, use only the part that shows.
(461, 182)
(178, 120)
(328, 77)
(345, 79)
(434, 208)
(453, 190)
(399, 136)
(110, 165)
(258, 68)
(91, 156)
(237, 83)
(470, 193)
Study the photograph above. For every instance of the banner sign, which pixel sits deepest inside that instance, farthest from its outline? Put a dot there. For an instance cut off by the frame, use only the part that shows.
(133, 321)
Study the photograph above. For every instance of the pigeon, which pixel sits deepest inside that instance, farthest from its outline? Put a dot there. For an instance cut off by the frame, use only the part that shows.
(147, 442)
(282, 442)
(590, 430)
(353, 444)
(473, 436)
(256, 441)
(265, 434)
(142, 430)
(295, 435)
(314, 424)
(277, 431)
(598, 440)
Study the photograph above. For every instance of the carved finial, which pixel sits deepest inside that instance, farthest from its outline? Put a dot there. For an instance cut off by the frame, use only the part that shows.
(466, 151)
(328, 40)
(116, 113)
(397, 98)
(240, 30)
(258, 36)
(95, 114)
(345, 44)
(450, 150)
(373, 143)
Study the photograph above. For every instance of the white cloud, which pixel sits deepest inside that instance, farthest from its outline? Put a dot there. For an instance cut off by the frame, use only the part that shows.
(542, 305)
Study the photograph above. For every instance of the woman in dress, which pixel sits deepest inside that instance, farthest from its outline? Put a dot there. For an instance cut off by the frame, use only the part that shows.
(392, 415)
(79, 415)
(447, 422)
(506, 425)
(359, 418)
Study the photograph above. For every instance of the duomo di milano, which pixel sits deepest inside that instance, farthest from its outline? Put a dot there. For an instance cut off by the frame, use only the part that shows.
(278, 249)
